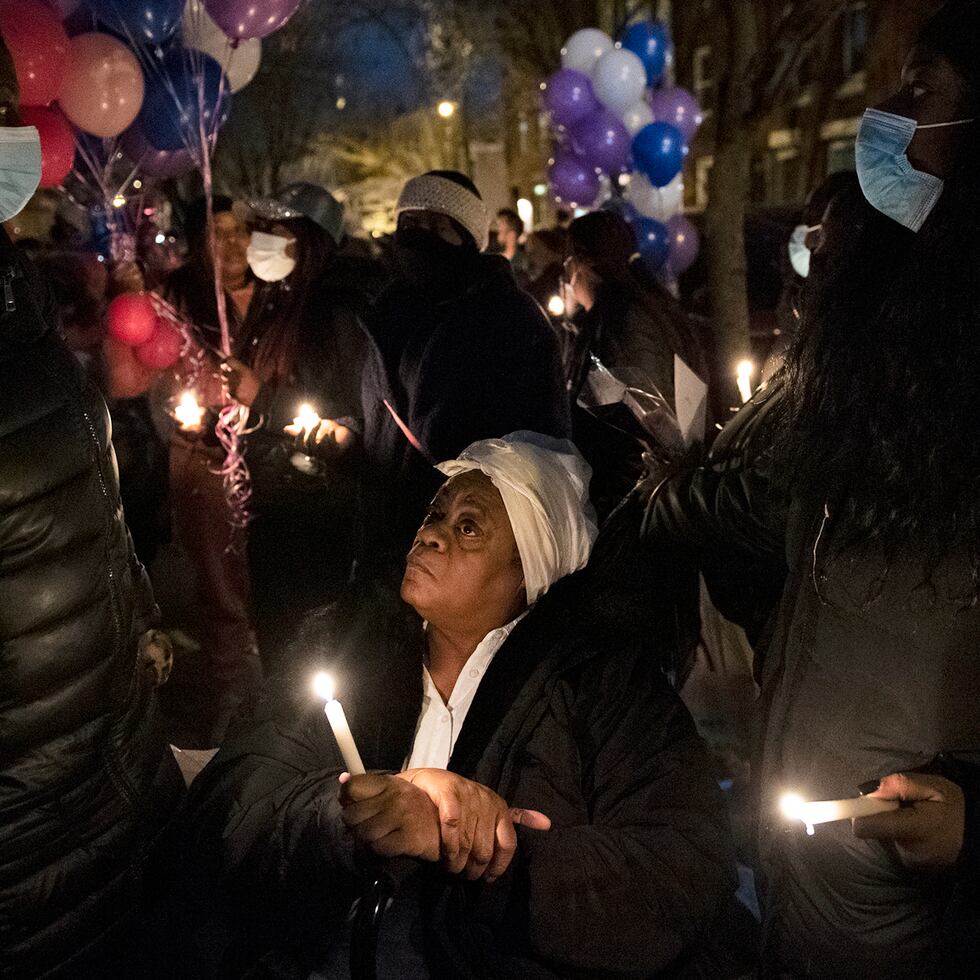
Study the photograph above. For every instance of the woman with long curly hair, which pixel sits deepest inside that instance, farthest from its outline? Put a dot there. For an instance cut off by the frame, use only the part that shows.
(873, 680)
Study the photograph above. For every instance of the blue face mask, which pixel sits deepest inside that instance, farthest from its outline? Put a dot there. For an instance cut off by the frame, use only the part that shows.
(799, 252)
(889, 181)
(20, 168)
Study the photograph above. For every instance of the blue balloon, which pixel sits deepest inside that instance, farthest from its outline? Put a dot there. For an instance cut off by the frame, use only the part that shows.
(652, 242)
(146, 21)
(170, 123)
(649, 41)
(658, 153)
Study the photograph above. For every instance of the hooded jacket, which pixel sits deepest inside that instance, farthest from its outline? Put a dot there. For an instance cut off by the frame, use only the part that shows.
(79, 752)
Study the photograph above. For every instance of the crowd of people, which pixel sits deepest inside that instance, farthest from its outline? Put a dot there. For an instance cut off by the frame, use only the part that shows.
(504, 583)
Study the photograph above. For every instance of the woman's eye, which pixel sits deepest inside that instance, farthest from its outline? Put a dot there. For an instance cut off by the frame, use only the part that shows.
(468, 529)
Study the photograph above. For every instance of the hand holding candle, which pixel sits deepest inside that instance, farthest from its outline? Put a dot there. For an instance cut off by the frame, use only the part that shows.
(794, 807)
(323, 687)
(306, 422)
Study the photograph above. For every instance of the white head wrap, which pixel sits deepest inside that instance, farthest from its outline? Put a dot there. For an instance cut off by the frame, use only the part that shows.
(544, 483)
(431, 192)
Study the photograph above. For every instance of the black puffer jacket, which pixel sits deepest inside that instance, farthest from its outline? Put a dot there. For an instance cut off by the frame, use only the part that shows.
(572, 718)
(78, 751)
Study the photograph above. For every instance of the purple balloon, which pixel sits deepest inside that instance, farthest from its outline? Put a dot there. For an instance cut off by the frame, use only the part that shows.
(163, 164)
(603, 141)
(685, 243)
(677, 107)
(573, 180)
(569, 97)
(244, 19)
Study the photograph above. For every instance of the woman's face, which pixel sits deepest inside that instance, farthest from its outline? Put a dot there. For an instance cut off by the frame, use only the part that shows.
(933, 91)
(231, 241)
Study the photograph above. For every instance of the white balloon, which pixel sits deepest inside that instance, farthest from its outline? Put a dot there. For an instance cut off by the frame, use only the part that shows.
(201, 33)
(619, 80)
(636, 117)
(584, 48)
(661, 203)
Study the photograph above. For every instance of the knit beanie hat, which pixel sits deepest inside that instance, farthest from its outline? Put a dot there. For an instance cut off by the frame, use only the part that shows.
(452, 194)
(955, 33)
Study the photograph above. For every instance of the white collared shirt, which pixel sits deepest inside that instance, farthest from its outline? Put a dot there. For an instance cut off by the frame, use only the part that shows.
(440, 722)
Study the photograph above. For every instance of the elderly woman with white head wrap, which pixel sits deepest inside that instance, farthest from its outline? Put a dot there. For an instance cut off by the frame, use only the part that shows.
(520, 743)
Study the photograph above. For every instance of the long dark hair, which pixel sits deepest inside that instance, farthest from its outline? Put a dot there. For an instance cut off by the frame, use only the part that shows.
(285, 307)
(883, 380)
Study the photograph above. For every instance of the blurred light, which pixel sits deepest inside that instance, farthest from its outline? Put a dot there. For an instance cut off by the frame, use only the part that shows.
(101, 258)
(624, 179)
(446, 109)
(341, 103)
(160, 239)
(556, 306)
(526, 210)
(137, 183)
(323, 686)
(743, 376)
(580, 211)
(540, 190)
(119, 201)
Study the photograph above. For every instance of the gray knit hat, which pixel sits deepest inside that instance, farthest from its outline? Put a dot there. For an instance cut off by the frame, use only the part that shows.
(449, 195)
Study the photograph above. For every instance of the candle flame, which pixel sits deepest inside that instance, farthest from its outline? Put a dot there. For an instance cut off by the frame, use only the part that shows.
(791, 805)
(743, 374)
(556, 306)
(323, 686)
(306, 421)
(188, 411)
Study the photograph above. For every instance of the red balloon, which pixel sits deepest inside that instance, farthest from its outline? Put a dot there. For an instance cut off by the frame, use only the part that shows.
(57, 143)
(38, 44)
(162, 349)
(132, 318)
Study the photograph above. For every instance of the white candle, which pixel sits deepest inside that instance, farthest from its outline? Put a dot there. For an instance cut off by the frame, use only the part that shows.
(794, 807)
(188, 412)
(743, 375)
(323, 686)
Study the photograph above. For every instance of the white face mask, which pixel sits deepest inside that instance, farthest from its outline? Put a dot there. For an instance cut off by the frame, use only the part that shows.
(20, 168)
(267, 256)
(799, 251)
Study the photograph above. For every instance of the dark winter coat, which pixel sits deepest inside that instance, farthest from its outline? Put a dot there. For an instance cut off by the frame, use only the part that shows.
(869, 671)
(482, 363)
(572, 718)
(79, 752)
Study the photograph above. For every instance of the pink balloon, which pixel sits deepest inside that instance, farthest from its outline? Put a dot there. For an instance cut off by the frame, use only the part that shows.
(103, 88)
(132, 319)
(39, 46)
(242, 19)
(162, 349)
(685, 243)
(57, 143)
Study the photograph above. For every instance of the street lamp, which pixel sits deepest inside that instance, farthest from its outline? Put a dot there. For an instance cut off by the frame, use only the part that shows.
(446, 109)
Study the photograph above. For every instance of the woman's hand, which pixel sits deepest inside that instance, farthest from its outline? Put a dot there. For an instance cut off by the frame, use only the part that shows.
(928, 830)
(326, 438)
(242, 382)
(389, 816)
(476, 826)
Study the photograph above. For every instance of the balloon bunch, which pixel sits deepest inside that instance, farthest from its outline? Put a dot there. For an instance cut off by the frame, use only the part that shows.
(133, 320)
(618, 124)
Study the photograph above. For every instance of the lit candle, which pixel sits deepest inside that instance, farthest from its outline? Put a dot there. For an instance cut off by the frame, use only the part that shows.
(556, 306)
(306, 421)
(188, 412)
(323, 686)
(794, 807)
(743, 375)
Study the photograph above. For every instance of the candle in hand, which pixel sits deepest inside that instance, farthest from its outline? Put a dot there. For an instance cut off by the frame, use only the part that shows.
(188, 412)
(794, 807)
(306, 422)
(323, 686)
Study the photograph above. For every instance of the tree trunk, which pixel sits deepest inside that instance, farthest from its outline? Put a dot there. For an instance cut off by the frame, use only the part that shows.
(728, 192)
